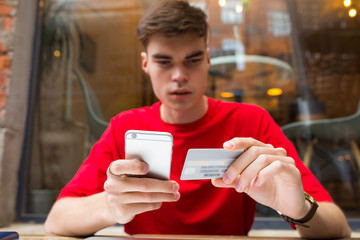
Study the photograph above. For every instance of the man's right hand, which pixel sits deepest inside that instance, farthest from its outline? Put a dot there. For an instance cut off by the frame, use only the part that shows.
(128, 195)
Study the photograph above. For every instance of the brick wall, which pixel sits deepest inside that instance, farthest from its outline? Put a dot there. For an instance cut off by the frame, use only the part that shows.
(17, 34)
(7, 135)
(7, 11)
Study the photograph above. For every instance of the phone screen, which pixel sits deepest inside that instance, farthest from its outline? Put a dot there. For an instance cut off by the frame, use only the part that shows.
(155, 148)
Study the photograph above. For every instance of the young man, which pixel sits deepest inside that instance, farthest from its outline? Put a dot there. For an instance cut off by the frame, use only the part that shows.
(177, 60)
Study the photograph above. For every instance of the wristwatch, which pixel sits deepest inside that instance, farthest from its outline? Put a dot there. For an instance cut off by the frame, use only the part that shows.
(308, 216)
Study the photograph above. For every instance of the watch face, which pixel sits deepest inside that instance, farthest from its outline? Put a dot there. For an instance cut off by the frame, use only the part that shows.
(310, 198)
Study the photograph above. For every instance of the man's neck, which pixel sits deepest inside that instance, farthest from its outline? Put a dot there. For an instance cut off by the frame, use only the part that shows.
(187, 116)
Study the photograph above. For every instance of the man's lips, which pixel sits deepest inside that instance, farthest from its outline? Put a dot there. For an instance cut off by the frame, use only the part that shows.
(180, 92)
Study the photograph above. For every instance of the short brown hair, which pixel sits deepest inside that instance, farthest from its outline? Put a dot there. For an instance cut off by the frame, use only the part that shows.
(172, 18)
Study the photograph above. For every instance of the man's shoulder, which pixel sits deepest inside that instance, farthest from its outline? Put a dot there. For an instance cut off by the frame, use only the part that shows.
(137, 114)
(236, 106)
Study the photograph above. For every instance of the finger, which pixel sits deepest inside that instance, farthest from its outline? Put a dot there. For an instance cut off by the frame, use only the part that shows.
(132, 156)
(219, 182)
(146, 197)
(136, 184)
(247, 158)
(127, 166)
(137, 208)
(252, 171)
(143, 207)
(113, 175)
(287, 184)
(125, 213)
(243, 143)
(133, 184)
(288, 173)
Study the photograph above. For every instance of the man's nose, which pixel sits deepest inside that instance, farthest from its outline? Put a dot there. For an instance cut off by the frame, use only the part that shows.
(179, 74)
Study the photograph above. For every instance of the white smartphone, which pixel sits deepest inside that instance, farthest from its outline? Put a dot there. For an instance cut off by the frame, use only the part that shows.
(155, 148)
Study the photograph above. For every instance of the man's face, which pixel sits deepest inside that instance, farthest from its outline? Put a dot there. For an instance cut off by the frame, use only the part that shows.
(178, 69)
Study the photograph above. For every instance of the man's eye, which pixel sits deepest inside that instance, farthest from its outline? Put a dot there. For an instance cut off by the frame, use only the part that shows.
(194, 60)
(163, 63)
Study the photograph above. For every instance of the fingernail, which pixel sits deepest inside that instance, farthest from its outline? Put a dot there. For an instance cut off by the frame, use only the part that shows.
(239, 187)
(227, 178)
(146, 168)
(176, 187)
(177, 196)
(228, 144)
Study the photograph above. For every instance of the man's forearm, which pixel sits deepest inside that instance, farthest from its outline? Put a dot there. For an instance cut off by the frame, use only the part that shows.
(80, 216)
(328, 222)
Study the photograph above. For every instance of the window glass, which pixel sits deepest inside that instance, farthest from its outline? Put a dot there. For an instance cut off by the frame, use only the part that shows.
(300, 61)
(297, 59)
(89, 70)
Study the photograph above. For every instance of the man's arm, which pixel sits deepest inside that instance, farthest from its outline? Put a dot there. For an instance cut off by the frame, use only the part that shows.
(123, 198)
(328, 221)
(79, 216)
(271, 178)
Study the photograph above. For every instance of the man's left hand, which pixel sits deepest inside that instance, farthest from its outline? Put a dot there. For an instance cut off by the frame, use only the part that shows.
(267, 175)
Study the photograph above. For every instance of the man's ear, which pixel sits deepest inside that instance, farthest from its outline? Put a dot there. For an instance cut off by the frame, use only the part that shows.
(144, 62)
(208, 55)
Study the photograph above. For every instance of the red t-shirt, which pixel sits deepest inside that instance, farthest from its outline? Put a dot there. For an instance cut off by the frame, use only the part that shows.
(202, 208)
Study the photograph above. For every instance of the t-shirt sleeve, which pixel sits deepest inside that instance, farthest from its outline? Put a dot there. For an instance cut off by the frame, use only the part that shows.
(90, 177)
(272, 133)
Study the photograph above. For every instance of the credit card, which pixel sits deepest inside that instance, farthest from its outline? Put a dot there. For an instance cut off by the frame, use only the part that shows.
(207, 163)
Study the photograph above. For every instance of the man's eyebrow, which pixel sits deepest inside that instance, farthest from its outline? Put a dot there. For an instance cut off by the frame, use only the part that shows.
(162, 56)
(195, 54)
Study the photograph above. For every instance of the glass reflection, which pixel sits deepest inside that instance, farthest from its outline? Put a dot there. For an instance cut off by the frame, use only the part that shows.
(297, 59)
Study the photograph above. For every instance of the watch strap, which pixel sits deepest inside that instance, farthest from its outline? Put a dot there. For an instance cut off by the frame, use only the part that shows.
(307, 217)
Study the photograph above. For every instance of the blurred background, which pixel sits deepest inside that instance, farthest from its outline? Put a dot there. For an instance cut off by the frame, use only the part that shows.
(298, 59)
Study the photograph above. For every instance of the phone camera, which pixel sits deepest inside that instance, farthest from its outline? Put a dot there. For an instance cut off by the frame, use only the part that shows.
(133, 135)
